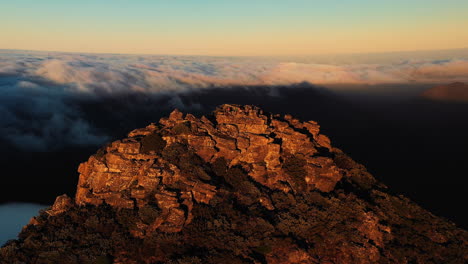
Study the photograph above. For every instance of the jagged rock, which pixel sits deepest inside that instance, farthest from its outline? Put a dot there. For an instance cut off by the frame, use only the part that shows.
(124, 176)
(241, 186)
(62, 204)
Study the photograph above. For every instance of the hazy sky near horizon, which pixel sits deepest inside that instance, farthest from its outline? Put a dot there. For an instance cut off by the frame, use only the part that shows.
(241, 27)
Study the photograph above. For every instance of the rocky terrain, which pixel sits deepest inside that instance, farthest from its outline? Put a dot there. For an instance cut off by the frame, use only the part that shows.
(454, 92)
(239, 186)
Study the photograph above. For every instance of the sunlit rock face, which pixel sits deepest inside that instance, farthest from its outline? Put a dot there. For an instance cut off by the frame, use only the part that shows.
(133, 171)
(239, 186)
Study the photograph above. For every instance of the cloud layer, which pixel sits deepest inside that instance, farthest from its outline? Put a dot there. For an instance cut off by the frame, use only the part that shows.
(39, 90)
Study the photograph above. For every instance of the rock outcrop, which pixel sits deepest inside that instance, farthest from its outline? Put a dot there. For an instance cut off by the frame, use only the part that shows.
(241, 186)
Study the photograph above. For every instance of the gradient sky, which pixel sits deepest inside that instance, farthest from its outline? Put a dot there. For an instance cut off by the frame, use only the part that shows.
(237, 27)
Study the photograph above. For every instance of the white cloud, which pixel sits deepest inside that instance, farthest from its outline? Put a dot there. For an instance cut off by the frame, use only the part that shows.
(38, 88)
(156, 74)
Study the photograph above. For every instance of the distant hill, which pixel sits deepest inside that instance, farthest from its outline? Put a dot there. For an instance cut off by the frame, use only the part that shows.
(456, 92)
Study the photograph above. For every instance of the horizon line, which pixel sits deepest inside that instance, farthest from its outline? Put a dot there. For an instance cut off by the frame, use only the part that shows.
(242, 56)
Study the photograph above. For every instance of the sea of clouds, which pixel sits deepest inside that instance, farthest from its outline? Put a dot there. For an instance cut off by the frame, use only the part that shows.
(38, 89)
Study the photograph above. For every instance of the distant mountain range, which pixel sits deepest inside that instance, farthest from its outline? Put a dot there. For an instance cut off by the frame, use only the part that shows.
(454, 92)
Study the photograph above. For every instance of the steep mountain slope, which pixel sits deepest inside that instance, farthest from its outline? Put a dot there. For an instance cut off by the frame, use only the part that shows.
(241, 186)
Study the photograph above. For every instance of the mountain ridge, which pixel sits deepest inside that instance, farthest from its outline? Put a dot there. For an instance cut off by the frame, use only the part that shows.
(239, 186)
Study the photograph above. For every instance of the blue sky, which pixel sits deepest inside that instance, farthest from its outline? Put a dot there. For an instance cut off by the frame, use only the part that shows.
(255, 27)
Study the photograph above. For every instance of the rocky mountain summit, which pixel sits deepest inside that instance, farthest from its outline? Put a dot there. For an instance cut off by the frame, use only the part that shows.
(240, 186)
